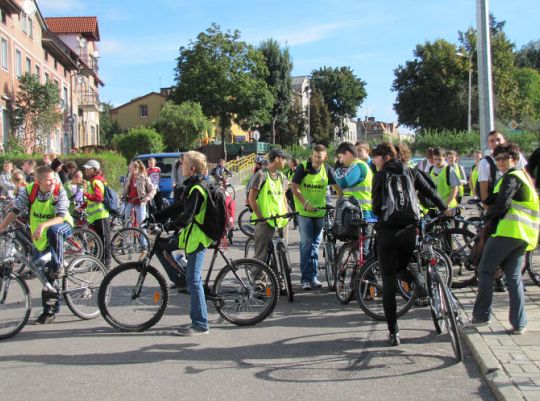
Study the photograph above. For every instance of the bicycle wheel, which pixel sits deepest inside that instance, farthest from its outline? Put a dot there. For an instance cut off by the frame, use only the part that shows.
(129, 245)
(83, 241)
(443, 266)
(368, 286)
(532, 262)
(329, 252)
(80, 286)
(434, 302)
(457, 244)
(249, 248)
(246, 292)
(244, 224)
(285, 264)
(230, 189)
(346, 266)
(131, 299)
(449, 316)
(15, 305)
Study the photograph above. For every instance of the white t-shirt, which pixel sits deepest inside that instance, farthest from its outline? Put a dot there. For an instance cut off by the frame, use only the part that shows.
(424, 165)
(484, 173)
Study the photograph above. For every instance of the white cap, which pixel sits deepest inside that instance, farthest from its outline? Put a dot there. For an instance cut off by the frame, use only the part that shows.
(92, 164)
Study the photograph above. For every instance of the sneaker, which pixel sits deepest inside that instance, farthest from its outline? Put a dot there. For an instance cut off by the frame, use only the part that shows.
(191, 331)
(315, 283)
(45, 318)
(393, 339)
(478, 322)
(519, 330)
(306, 285)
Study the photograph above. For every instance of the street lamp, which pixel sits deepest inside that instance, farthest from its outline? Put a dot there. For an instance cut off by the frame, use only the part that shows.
(469, 118)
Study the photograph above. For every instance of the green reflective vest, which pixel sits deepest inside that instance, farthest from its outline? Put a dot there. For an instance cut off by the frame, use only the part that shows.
(192, 236)
(522, 220)
(461, 190)
(443, 189)
(41, 212)
(271, 199)
(96, 210)
(474, 179)
(362, 190)
(313, 189)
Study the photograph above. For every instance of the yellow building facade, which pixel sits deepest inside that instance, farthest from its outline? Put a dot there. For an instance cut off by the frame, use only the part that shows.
(143, 111)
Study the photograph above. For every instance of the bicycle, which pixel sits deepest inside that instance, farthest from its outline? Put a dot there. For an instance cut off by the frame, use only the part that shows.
(244, 222)
(129, 243)
(278, 256)
(79, 286)
(329, 247)
(134, 296)
(443, 306)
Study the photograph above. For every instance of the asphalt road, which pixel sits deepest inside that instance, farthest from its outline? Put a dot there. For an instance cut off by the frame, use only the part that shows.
(312, 349)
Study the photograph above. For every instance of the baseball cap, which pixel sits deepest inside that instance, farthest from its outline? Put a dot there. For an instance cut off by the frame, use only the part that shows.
(278, 153)
(92, 164)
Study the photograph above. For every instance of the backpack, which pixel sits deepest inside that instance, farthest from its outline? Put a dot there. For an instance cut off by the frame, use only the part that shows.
(34, 192)
(424, 200)
(492, 176)
(348, 218)
(216, 219)
(111, 201)
(399, 201)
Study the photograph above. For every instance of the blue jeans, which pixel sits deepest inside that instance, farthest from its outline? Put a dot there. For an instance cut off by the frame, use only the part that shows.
(197, 310)
(310, 238)
(507, 253)
(140, 215)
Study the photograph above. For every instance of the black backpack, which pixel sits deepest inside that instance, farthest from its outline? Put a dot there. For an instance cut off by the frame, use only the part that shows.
(492, 176)
(399, 201)
(111, 201)
(348, 218)
(217, 216)
(424, 200)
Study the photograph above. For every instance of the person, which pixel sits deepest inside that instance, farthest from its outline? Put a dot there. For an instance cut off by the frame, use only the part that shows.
(473, 179)
(445, 178)
(6, 185)
(193, 239)
(154, 173)
(309, 185)
(138, 190)
(220, 172)
(260, 162)
(395, 243)
(241, 151)
(533, 168)
(452, 160)
(97, 214)
(289, 174)
(28, 168)
(363, 150)
(178, 179)
(70, 168)
(426, 164)
(267, 198)
(403, 154)
(58, 168)
(515, 219)
(50, 225)
(47, 159)
(75, 192)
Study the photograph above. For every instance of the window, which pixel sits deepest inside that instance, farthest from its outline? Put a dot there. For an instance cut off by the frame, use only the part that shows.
(46, 56)
(38, 73)
(4, 16)
(30, 28)
(65, 72)
(55, 65)
(93, 139)
(18, 62)
(46, 77)
(28, 65)
(57, 83)
(4, 54)
(66, 98)
(23, 22)
(143, 111)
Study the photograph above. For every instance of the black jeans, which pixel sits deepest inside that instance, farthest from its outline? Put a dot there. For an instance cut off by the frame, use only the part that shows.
(395, 247)
(103, 229)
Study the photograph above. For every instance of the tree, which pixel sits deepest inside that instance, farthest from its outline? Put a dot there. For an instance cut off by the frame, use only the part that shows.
(342, 91)
(279, 81)
(227, 77)
(529, 55)
(107, 127)
(290, 130)
(36, 113)
(181, 125)
(528, 80)
(430, 89)
(139, 140)
(320, 127)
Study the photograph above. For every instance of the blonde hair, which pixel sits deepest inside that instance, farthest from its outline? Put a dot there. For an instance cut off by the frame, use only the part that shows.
(139, 165)
(196, 159)
(18, 176)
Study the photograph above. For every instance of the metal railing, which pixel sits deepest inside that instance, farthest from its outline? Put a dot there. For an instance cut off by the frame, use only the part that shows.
(242, 166)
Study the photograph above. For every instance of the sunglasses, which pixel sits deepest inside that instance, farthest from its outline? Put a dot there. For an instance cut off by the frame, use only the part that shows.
(501, 158)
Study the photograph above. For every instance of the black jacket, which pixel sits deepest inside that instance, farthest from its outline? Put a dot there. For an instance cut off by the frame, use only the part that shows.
(419, 182)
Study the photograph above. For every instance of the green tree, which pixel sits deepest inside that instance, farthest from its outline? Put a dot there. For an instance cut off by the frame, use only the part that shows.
(35, 113)
(528, 80)
(529, 55)
(321, 127)
(139, 140)
(107, 127)
(342, 91)
(279, 64)
(181, 125)
(430, 89)
(227, 77)
(293, 128)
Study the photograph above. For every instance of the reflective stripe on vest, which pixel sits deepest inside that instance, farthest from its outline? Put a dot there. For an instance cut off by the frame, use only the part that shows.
(192, 235)
(522, 220)
(271, 199)
(313, 189)
(362, 190)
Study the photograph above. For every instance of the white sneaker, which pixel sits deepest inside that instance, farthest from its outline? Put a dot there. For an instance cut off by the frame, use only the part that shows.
(191, 331)
(315, 283)
(306, 285)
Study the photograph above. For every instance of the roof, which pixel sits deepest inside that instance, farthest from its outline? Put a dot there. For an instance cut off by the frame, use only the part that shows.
(86, 26)
(10, 6)
(137, 99)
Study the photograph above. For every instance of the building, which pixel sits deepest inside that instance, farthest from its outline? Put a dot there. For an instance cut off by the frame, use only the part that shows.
(141, 111)
(59, 50)
(370, 130)
(301, 95)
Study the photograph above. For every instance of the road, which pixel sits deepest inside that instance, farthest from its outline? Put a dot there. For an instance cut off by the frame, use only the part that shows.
(312, 349)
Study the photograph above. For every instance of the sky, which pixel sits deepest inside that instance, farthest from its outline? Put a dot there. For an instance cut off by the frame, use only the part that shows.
(140, 39)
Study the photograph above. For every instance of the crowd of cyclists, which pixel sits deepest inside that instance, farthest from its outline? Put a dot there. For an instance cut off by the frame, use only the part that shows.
(388, 190)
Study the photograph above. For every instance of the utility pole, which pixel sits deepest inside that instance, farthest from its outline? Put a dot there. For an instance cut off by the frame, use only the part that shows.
(485, 83)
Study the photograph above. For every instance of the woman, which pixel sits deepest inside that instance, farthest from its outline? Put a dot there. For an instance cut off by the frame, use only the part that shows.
(514, 219)
(138, 191)
(59, 173)
(75, 192)
(396, 242)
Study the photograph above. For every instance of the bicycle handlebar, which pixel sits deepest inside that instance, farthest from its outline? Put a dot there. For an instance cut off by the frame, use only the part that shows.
(289, 215)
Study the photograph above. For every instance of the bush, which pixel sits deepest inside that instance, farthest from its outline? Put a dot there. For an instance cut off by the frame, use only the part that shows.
(139, 140)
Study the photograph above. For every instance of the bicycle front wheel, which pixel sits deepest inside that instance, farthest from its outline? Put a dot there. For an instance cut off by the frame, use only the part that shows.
(244, 223)
(80, 286)
(245, 292)
(346, 266)
(285, 264)
(132, 298)
(15, 305)
(368, 286)
(448, 312)
(129, 245)
(249, 248)
(329, 249)
(83, 241)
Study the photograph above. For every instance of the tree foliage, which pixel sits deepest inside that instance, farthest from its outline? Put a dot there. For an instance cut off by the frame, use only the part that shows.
(226, 76)
(528, 80)
(181, 125)
(139, 140)
(321, 126)
(529, 55)
(291, 130)
(107, 127)
(342, 91)
(36, 112)
(279, 64)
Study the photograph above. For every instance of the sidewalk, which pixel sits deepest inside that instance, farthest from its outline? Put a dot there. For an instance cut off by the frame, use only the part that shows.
(509, 363)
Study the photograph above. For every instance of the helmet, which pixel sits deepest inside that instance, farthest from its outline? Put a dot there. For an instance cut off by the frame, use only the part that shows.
(260, 160)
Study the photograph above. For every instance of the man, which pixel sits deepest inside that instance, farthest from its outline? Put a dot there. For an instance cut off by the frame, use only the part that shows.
(220, 172)
(6, 185)
(267, 198)
(426, 164)
(445, 178)
(309, 185)
(452, 159)
(473, 179)
(47, 205)
(28, 170)
(363, 150)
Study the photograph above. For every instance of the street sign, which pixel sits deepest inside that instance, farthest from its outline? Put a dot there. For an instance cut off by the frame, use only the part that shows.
(513, 125)
(256, 135)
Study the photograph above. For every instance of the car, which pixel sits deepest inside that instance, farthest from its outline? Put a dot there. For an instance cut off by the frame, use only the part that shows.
(166, 162)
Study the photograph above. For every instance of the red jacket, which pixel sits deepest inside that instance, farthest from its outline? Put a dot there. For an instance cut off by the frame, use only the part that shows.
(97, 196)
